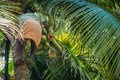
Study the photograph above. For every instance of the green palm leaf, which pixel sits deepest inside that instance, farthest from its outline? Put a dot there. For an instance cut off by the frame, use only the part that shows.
(97, 28)
(113, 6)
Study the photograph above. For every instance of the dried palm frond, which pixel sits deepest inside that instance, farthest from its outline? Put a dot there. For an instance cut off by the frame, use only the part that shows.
(8, 19)
(9, 29)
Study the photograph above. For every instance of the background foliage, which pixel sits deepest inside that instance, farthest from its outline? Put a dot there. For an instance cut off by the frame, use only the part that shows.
(86, 40)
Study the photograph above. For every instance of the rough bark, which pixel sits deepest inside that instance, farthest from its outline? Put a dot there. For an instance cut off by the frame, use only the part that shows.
(21, 71)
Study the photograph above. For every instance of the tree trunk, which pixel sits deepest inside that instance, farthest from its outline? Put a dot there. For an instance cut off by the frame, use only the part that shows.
(21, 71)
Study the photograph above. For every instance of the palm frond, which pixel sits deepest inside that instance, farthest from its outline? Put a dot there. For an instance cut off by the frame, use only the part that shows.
(10, 10)
(9, 20)
(97, 28)
(9, 29)
(113, 6)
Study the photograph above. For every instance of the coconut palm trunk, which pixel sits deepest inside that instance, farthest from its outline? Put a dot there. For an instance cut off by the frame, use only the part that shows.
(21, 71)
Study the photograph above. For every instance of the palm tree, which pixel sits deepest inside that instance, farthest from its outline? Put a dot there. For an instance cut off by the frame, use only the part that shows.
(90, 50)
(9, 21)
